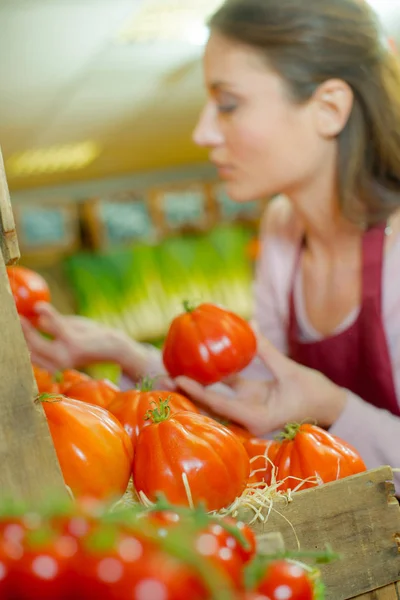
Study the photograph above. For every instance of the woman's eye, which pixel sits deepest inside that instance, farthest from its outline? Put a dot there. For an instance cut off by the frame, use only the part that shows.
(226, 108)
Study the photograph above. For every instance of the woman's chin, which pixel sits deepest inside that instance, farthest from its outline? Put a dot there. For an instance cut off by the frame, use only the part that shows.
(241, 194)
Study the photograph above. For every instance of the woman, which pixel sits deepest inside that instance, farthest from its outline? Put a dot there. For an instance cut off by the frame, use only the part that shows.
(304, 101)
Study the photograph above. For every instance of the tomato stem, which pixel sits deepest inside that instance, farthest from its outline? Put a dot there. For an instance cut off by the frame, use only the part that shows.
(51, 398)
(146, 384)
(188, 306)
(289, 433)
(161, 412)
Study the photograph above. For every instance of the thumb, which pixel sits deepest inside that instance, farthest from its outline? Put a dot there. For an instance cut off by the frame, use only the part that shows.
(274, 360)
(50, 320)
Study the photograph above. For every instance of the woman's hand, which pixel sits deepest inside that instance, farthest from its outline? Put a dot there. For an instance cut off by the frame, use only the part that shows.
(77, 342)
(295, 394)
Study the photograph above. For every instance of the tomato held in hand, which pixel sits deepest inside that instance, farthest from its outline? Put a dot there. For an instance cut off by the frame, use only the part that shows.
(189, 445)
(93, 449)
(208, 344)
(283, 579)
(309, 452)
(100, 392)
(131, 407)
(28, 288)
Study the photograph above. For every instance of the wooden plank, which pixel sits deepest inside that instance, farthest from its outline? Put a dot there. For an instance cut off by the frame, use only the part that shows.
(358, 516)
(29, 467)
(8, 234)
(388, 592)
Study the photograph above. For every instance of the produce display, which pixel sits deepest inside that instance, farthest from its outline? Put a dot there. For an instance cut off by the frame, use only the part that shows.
(84, 550)
(208, 343)
(154, 486)
(141, 289)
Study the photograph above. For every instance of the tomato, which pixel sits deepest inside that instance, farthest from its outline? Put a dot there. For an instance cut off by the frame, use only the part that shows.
(44, 569)
(283, 579)
(211, 457)
(28, 288)
(243, 434)
(93, 449)
(307, 451)
(136, 568)
(100, 392)
(261, 468)
(207, 344)
(65, 379)
(44, 381)
(131, 407)
(253, 596)
(215, 540)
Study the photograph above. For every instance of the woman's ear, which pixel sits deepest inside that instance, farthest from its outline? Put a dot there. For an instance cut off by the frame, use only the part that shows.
(333, 101)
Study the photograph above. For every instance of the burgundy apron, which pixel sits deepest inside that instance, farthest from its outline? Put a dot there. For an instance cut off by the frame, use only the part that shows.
(358, 357)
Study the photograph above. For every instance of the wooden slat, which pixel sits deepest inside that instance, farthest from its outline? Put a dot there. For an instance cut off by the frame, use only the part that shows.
(358, 516)
(388, 592)
(28, 463)
(8, 234)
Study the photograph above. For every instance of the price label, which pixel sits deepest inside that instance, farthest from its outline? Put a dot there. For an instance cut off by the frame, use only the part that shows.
(125, 221)
(42, 227)
(184, 208)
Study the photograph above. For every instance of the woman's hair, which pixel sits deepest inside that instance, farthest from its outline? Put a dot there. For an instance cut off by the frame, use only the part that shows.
(310, 41)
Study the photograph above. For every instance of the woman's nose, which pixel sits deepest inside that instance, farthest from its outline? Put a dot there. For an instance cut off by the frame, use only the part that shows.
(207, 133)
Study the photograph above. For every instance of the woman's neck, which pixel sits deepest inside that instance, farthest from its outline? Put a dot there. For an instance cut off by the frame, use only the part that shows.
(325, 226)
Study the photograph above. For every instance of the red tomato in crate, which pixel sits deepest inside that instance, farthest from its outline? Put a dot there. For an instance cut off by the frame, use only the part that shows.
(65, 379)
(133, 567)
(263, 452)
(46, 569)
(307, 451)
(93, 449)
(188, 444)
(283, 579)
(45, 381)
(100, 392)
(131, 407)
(215, 541)
(208, 344)
(28, 288)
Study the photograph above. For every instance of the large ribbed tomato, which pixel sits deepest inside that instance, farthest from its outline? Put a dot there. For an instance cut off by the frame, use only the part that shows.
(309, 452)
(100, 392)
(131, 407)
(262, 455)
(212, 458)
(93, 449)
(208, 344)
(28, 288)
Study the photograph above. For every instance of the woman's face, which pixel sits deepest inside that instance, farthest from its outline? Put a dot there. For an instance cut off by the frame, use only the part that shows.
(262, 142)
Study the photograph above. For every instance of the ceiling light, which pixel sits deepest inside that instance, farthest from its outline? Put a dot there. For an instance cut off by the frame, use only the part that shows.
(54, 159)
(170, 21)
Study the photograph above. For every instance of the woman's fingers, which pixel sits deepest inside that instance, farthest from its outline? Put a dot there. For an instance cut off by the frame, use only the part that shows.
(50, 320)
(274, 360)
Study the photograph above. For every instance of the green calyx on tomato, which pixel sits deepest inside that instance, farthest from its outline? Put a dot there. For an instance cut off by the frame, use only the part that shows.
(188, 306)
(146, 384)
(160, 413)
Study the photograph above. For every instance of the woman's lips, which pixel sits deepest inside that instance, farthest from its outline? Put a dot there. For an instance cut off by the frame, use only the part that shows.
(224, 171)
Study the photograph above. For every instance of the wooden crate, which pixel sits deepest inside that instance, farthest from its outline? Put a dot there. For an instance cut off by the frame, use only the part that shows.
(360, 518)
